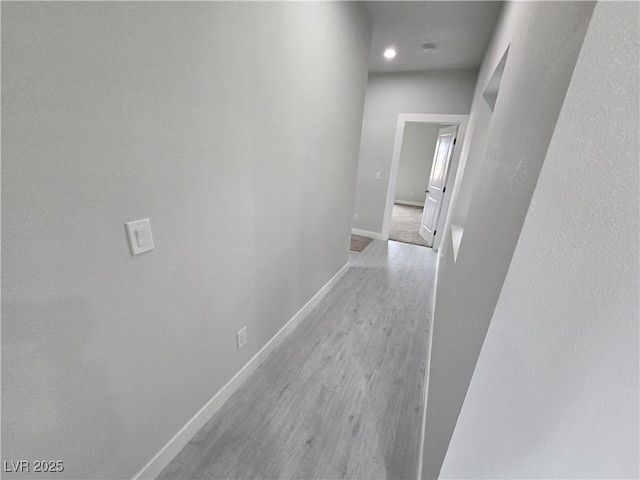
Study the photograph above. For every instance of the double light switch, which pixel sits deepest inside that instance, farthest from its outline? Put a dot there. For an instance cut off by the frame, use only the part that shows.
(140, 239)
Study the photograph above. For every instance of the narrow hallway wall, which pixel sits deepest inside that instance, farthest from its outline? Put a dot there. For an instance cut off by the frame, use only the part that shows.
(555, 390)
(544, 40)
(235, 128)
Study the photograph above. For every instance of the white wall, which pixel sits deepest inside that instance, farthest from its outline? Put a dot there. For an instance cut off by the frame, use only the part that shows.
(531, 94)
(235, 128)
(416, 158)
(472, 170)
(388, 95)
(555, 390)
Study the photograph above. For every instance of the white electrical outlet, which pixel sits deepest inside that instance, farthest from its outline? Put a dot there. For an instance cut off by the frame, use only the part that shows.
(378, 175)
(356, 216)
(242, 337)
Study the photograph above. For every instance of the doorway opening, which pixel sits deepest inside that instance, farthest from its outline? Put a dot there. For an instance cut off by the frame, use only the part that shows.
(414, 171)
(425, 157)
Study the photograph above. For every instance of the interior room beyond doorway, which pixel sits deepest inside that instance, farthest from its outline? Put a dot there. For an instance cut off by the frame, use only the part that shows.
(414, 169)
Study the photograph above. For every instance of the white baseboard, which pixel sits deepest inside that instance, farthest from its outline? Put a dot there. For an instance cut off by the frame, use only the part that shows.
(423, 427)
(366, 233)
(408, 202)
(180, 439)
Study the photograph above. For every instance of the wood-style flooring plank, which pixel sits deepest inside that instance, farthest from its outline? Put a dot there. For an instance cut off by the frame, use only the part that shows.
(342, 396)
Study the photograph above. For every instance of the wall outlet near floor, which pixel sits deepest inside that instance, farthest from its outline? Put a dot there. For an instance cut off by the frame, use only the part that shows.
(356, 216)
(242, 337)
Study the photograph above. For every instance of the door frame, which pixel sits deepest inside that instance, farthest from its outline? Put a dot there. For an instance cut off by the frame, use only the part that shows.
(444, 119)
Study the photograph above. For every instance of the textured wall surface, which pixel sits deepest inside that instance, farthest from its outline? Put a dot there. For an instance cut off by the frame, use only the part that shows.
(388, 95)
(555, 390)
(531, 94)
(416, 158)
(241, 147)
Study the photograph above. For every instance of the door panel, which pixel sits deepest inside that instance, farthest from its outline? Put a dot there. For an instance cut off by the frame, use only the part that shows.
(437, 182)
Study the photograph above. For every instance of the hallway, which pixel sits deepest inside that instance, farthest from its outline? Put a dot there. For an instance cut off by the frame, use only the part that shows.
(342, 396)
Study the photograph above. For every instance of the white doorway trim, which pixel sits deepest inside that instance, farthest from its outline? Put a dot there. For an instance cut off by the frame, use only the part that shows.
(445, 119)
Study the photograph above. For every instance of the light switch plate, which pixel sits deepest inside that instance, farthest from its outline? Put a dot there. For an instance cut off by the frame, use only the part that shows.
(139, 233)
(242, 337)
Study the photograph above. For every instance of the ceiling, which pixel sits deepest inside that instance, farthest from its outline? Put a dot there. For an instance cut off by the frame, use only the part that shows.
(461, 31)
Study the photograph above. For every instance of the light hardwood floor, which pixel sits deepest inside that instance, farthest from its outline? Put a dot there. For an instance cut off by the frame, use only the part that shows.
(342, 396)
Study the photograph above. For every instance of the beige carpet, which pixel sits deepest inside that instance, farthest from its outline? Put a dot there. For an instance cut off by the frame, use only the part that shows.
(359, 243)
(405, 224)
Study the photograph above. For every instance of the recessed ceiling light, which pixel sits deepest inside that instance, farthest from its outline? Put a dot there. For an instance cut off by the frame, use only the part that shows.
(389, 53)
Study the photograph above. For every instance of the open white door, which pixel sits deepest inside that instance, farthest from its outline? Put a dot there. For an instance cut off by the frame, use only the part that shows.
(437, 182)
